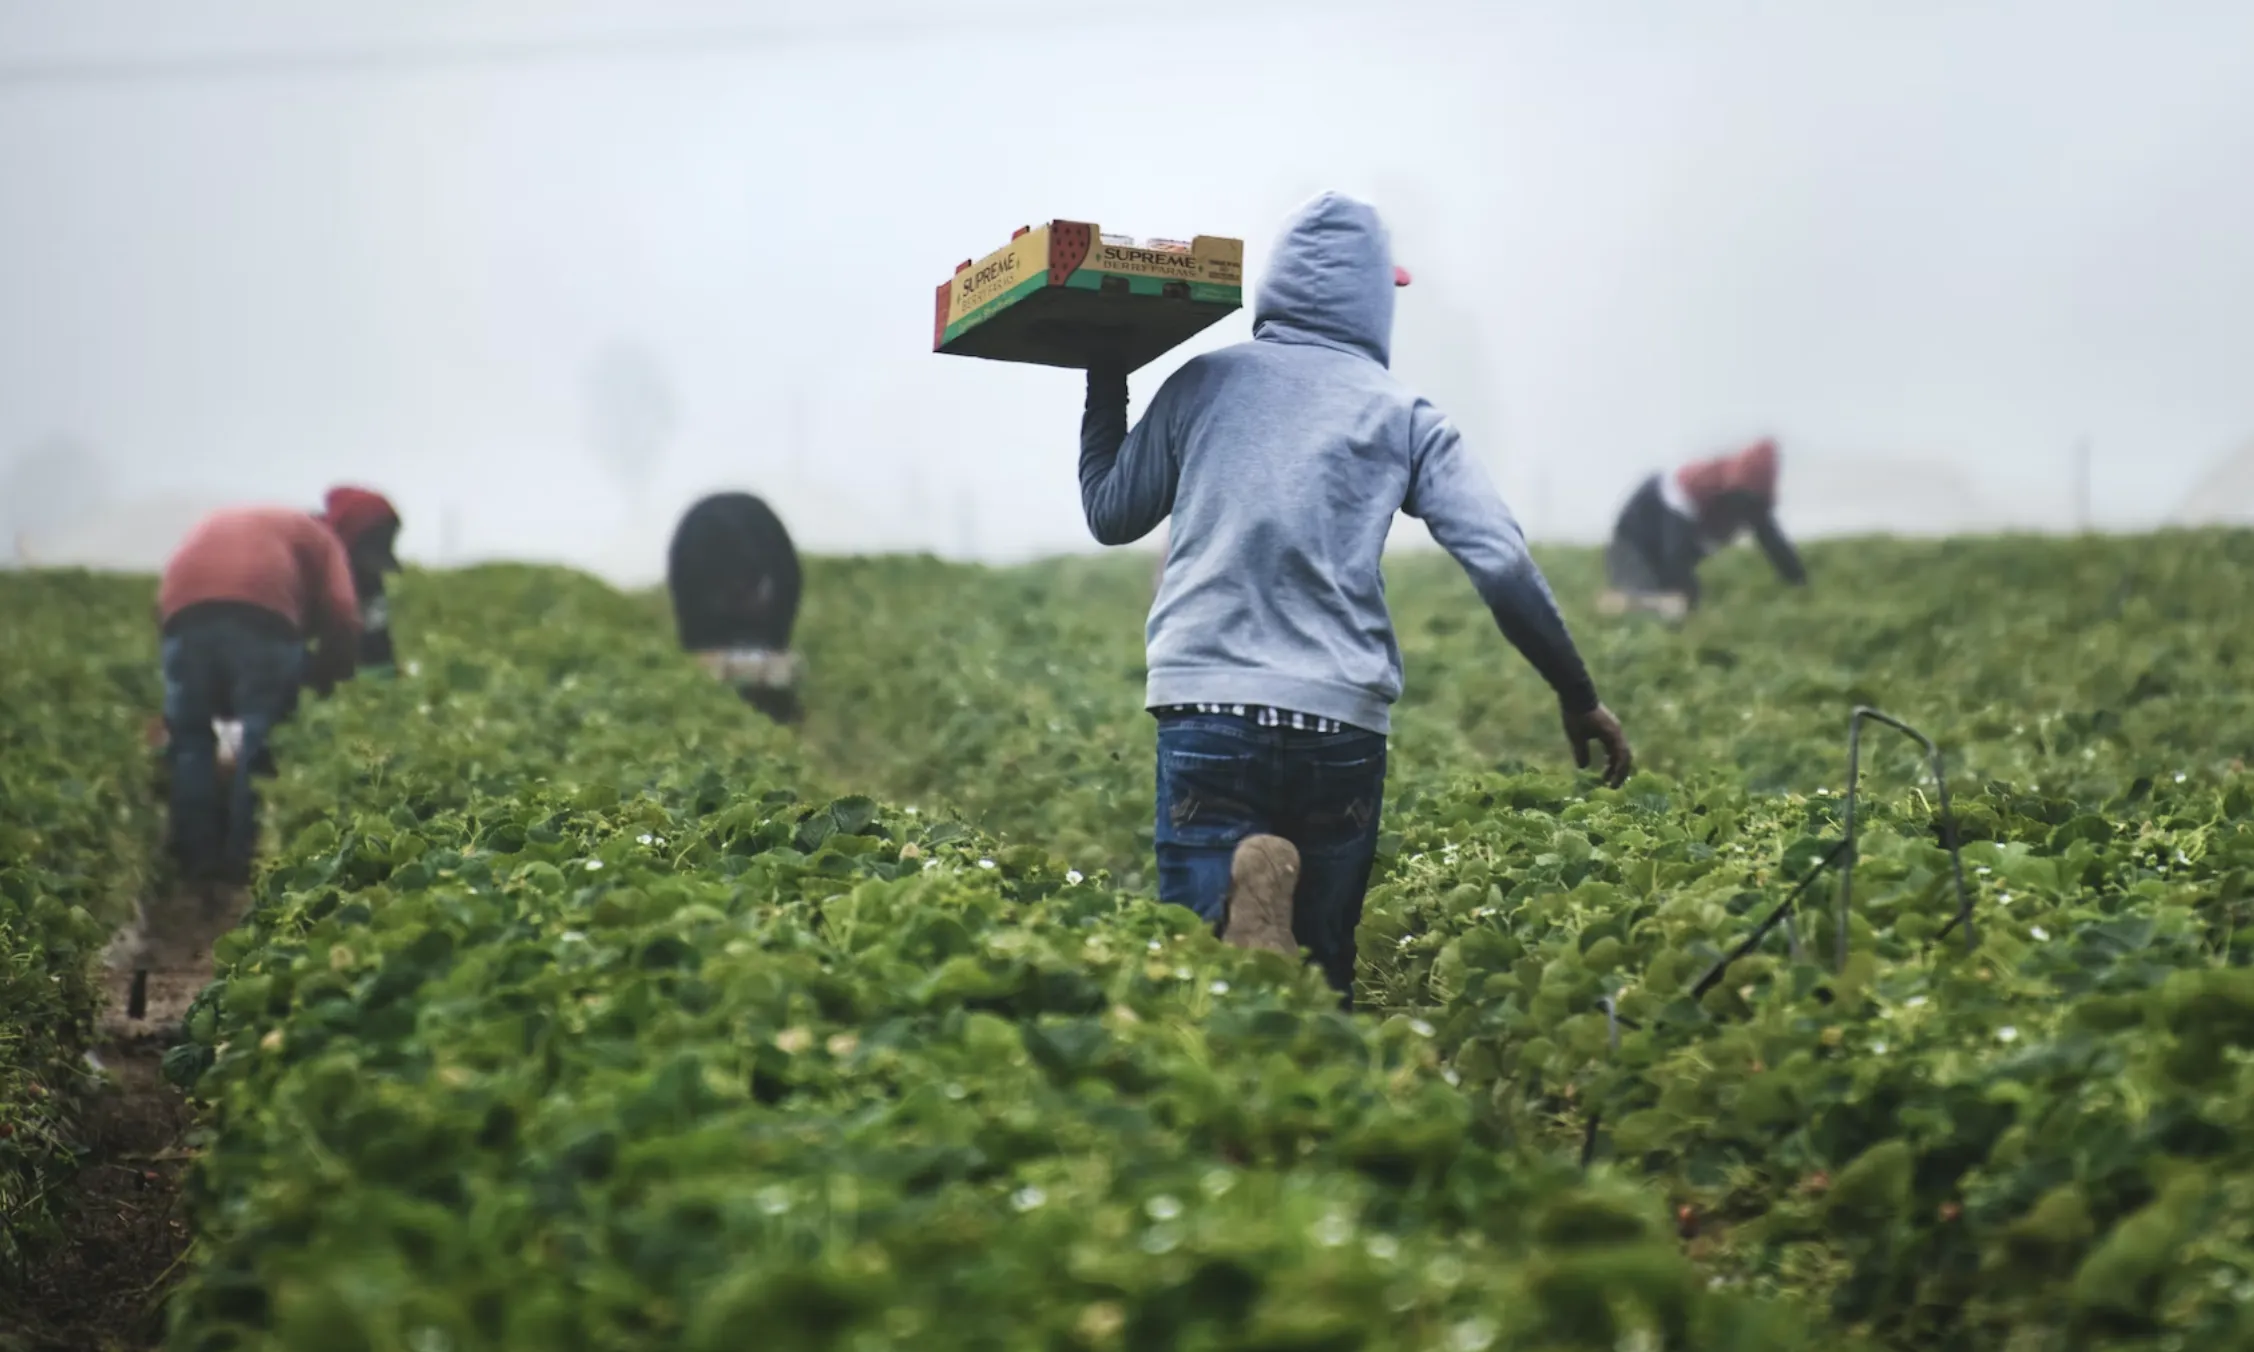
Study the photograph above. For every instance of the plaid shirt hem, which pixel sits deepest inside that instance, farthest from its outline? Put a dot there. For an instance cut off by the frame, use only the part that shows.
(1261, 715)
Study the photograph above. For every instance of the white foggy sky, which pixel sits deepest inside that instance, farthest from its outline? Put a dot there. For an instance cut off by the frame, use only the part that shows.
(1960, 234)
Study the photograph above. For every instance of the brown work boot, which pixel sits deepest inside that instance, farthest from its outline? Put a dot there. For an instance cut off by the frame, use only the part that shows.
(1257, 913)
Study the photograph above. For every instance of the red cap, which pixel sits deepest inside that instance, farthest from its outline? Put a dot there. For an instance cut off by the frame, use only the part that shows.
(1400, 275)
(354, 513)
(1752, 470)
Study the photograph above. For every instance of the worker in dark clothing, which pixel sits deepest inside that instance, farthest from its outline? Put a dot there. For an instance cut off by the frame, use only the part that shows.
(368, 525)
(734, 579)
(255, 603)
(1674, 520)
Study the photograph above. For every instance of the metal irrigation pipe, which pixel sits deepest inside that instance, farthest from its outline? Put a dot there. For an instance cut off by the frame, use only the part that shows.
(1948, 825)
(1613, 1018)
(1782, 911)
(1842, 853)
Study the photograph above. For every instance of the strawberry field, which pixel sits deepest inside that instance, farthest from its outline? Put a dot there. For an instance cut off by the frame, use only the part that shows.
(582, 1009)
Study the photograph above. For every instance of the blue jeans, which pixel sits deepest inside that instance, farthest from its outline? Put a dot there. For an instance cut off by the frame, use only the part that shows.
(1222, 778)
(222, 667)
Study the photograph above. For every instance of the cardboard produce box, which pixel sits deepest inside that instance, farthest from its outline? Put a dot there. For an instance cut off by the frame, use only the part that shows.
(1066, 294)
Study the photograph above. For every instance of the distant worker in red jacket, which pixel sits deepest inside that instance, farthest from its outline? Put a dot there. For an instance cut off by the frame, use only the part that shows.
(1674, 520)
(241, 601)
(369, 526)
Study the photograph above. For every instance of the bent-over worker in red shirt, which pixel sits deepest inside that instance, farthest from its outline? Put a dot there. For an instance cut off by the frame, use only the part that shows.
(1674, 520)
(241, 599)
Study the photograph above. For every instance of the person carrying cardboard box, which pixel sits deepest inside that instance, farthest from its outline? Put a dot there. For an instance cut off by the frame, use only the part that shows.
(1272, 659)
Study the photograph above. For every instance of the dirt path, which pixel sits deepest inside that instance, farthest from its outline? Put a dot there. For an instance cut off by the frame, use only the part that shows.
(102, 1288)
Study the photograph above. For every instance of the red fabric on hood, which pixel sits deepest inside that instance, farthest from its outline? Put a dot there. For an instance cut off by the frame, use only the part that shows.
(1753, 470)
(356, 512)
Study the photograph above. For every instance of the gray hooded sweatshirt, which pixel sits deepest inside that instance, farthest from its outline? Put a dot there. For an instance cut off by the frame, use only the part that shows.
(1282, 462)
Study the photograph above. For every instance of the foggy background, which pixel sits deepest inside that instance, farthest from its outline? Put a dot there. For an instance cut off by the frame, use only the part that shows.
(546, 272)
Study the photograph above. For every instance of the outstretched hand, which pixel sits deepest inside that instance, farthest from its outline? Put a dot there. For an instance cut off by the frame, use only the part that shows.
(1599, 725)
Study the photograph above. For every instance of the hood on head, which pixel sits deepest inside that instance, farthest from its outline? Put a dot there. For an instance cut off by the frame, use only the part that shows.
(1331, 280)
(356, 514)
(1752, 470)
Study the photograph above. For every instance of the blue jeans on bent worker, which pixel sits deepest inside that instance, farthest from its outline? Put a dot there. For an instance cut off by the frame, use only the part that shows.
(1222, 778)
(221, 667)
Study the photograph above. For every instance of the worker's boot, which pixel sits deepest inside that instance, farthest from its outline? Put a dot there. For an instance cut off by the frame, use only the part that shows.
(1257, 911)
(1673, 607)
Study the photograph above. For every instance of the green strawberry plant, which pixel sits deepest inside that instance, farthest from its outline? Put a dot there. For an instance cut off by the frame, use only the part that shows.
(583, 1008)
(572, 1019)
(2091, 697)
(77, 678)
